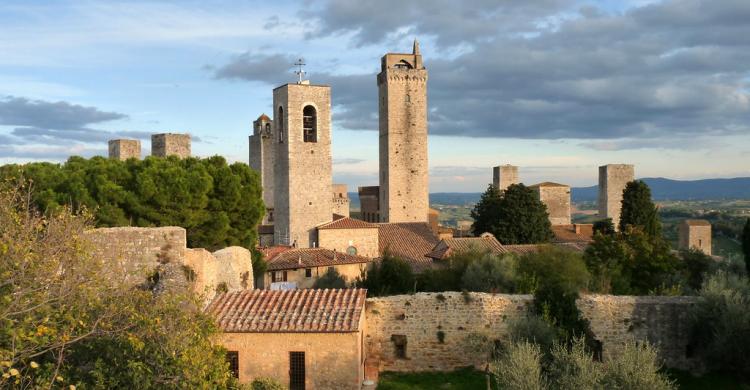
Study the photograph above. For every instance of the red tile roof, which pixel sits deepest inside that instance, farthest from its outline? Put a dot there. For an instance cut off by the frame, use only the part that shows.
(287, 311)
(311, 257)
(348, 223)
(409, 241)
(567, 233)
(270, 252)
(531, 248)
(449, 246)
(263, 117)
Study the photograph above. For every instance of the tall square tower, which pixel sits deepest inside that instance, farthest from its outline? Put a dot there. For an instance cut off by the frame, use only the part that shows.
(262, 159)
(695, 234)
(123, 149)
(170, 144)
(612, 181)
(303, 180)
(557, 199)
(504, 175)
(402, 90)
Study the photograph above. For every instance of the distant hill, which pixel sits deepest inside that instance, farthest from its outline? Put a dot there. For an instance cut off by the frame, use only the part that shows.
(668, 189)
(661, 189)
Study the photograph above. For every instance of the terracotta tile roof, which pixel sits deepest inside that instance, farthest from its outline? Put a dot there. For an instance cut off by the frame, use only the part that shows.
(449, 246)
(287, 311)
(263, 117)
(408, 240)
(270, 252)
(347, 223)
(549, 184)
(531, 248)
(697, 222)
(567, 233)
(311, 257)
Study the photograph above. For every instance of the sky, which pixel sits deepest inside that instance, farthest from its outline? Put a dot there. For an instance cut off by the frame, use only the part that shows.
(557, 87)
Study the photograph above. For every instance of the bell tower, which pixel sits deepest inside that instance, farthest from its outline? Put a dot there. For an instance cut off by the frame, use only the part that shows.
(402, 90)
(303, 180)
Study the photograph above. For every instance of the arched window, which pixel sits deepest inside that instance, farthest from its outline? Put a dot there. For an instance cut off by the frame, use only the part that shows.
(309, 124)
(280, 125)
(268, 128)
(351, 251)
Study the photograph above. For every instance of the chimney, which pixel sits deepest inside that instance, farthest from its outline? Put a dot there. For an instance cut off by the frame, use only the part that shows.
(299, 260)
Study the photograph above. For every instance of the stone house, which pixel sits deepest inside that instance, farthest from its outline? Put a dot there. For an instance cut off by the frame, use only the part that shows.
(301, 267)
(307, 339)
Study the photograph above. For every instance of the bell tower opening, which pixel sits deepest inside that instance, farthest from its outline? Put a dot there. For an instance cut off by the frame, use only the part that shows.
(310, 124)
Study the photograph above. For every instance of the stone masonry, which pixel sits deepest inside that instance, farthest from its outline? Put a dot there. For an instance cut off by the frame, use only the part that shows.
(504, 175)
(612, 181)
(170, 144)
(340, 200)
(123, 149)
(302, 187)
(695, 234)
(433, 326)
(557, 199)
(402, 90)
(263, 159)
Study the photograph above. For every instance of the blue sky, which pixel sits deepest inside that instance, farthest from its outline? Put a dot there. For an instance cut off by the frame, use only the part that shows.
(557, 87)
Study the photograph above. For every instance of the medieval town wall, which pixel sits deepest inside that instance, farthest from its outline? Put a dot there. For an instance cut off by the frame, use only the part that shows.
(419, 320)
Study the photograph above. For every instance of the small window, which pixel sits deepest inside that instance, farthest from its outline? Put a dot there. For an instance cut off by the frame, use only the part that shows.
(399, 344)
(284, 277)
(268, 128)
(351, 250)
(308, 272)
(310, 124)
(233, 358)
(280, 124)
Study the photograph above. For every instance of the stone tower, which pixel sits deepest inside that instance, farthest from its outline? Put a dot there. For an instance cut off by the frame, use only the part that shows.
(303, 180)
(262, 159)
(402, 90)
(695, 234)
(504, 175)
(170, 144)
(612, 181)
(123, 149)
(557, 199)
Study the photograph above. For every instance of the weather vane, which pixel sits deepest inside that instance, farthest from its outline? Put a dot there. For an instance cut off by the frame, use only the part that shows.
(300, 73)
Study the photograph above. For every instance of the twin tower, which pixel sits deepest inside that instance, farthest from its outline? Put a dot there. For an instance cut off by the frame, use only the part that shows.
(292, 152)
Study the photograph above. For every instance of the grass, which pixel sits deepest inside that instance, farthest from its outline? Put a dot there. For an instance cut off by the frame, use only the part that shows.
(462, 379)
(471, 379)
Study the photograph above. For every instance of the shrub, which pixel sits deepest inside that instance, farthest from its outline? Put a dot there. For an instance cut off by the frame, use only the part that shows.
(553, 266)
(492, 273)
(697, 265)
(520, 368)
(330, 279)
(392, 275)
(636, 366)
(721, 324)
(533, 329)
(266, 384)
(574, 368)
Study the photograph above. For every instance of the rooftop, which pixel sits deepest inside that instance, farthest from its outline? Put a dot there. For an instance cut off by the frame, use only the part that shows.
(348, 223)
(576, 232)
(294, 258)
(289, 311)
(448, 246)
(697, 222)
(409, 241)
(549, 184)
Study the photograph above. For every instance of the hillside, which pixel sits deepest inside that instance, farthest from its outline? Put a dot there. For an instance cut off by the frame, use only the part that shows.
(668, 189)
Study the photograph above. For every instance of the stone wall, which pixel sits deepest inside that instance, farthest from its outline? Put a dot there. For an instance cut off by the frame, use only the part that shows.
(417, 319)
(350, 272)
(504, 175)
(170, 144)
(230, 267)
(365, 240)
(695, 234)
(123, 149)
(369, 203)
(557, 199)
(340, 200)
(612, 181)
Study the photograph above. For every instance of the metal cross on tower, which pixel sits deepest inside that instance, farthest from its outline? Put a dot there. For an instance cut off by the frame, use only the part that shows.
(300, 73)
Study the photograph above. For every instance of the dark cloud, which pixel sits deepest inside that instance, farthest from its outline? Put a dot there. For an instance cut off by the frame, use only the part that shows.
(19, 111)
(654, 76)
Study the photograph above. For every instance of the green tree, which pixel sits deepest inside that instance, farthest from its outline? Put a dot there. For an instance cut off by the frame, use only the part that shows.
(515, 216)
(391, 275)
(746, 244)
(330, 279)
(552, 265)
(638, 210)
(604, 226)
(697, 266)
(492, 273)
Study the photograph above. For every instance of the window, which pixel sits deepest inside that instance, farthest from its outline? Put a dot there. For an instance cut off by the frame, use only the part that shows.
(233, 358)
(296, 371)
(280, 124)
(268, 128)
(351, 250)
(310, 124)
(308, 272)
(278, 276)
(399, 344)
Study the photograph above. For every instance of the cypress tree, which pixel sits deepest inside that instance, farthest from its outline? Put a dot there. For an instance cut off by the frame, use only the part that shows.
(638, 210)
(515, 216)
(486, 212)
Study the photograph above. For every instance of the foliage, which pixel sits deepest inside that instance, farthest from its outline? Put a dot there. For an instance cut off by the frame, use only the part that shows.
(391, 275)
(557, 306)
(721, 324)
(218, 204)
(492, 273)
(746, 244)
(67, 320)
(461, 379)
(331, 279)
(266, 384)
(636, 366)
(630, 263)
(515, 216)
(574, 368)
(638, 211)
(449, 277)
(552, 265)
(696, 265)
(519, 368)
(604, 226)
(534, 329)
